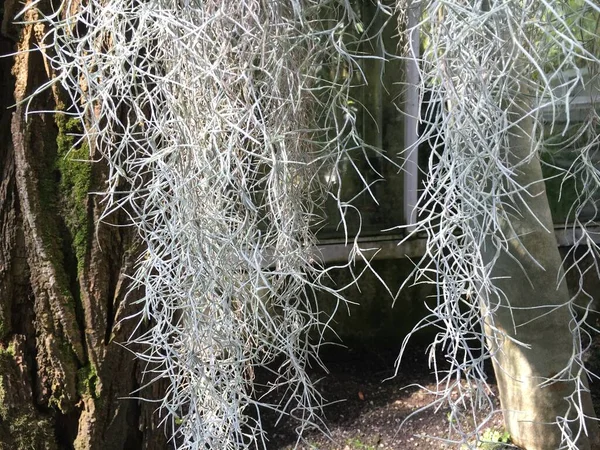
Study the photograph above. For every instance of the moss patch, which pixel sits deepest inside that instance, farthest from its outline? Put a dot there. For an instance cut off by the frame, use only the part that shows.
(21, 426)
(87, 379)
(63, 189)
(72, 164)
(29, 432)
(63, 387)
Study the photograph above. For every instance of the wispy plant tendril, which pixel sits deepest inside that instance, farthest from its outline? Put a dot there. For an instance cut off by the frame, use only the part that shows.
(216, 119)
(490, 70)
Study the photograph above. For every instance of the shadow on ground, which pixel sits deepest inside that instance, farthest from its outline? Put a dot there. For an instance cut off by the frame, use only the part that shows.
(368, 405)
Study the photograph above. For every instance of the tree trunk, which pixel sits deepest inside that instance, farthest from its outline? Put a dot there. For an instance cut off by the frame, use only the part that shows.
(64, 377)
(530, 313)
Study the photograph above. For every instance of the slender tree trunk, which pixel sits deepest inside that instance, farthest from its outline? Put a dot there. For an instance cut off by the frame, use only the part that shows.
(64, 377)
(534, 312)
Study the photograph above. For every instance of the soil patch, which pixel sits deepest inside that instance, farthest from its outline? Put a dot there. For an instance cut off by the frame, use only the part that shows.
(369, 408)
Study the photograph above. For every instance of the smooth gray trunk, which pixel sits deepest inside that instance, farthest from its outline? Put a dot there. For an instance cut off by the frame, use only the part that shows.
(534, 311)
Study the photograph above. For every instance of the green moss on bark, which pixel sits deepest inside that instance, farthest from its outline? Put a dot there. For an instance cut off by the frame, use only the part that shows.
(72, 163)
(21, 426)
(87, 379)
(63, 392)
(63, 189)
(29, 432)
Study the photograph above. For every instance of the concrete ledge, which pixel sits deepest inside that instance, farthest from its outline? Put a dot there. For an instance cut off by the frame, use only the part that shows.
(378, 248)
(566, 237)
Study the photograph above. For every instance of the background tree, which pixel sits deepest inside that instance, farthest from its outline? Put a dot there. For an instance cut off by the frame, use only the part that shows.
(496, 68)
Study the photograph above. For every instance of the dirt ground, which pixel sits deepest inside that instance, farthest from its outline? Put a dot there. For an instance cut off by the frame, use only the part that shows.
(367, 413)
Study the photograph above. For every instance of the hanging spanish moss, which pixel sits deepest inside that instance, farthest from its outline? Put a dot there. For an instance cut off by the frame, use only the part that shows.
(217, 119)
(495, 75)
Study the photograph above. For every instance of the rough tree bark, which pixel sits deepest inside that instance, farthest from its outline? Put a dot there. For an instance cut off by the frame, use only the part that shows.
(63, 279)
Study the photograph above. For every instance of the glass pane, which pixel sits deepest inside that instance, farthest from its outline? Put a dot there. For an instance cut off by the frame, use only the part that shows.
(380, 125)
